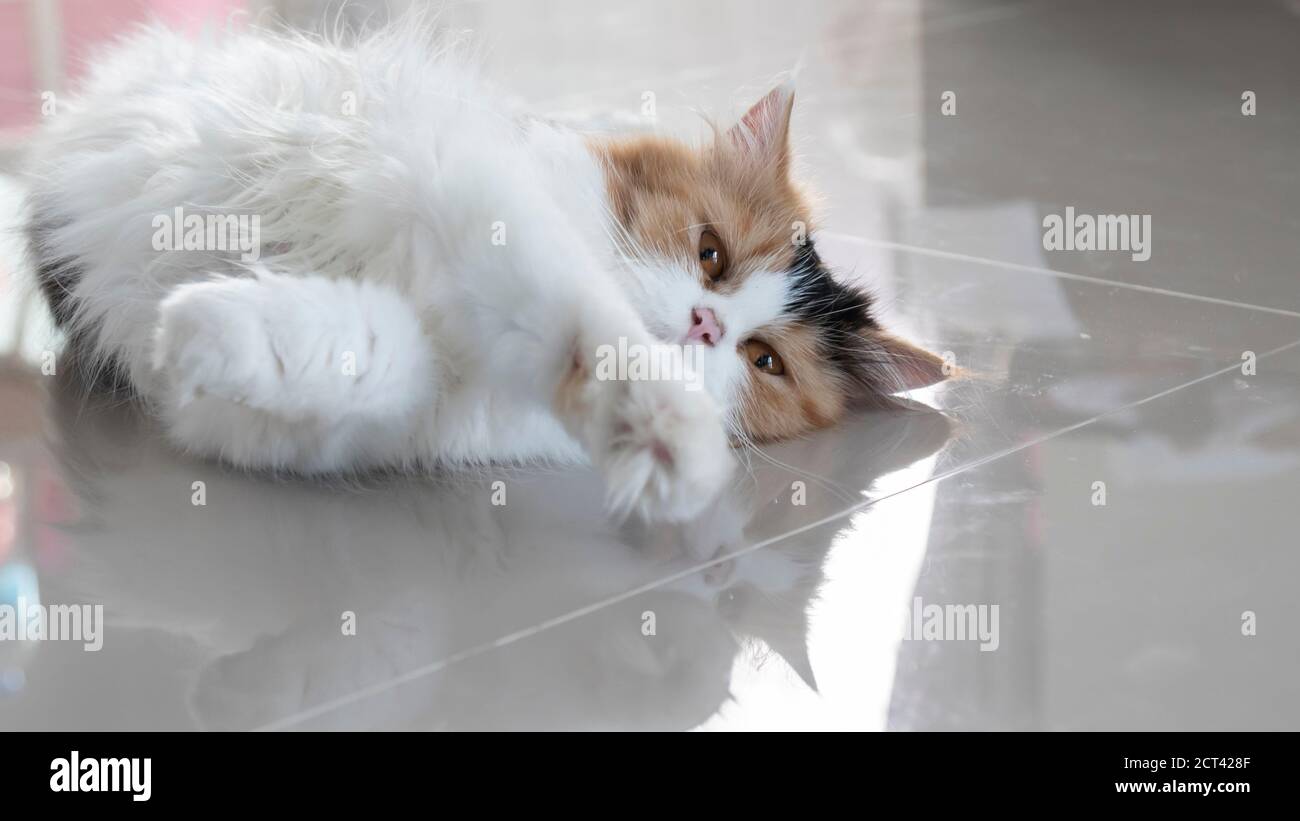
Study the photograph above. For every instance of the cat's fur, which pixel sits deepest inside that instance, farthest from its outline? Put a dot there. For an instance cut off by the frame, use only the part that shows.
(381, 245)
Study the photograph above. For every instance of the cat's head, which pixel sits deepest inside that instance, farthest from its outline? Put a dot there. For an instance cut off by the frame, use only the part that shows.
(719, 249)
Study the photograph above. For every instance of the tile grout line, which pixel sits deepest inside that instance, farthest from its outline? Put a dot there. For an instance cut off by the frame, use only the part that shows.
(1034, 269)
(572, 615)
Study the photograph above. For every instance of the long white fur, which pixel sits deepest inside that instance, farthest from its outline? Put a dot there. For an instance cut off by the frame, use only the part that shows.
(377, 230)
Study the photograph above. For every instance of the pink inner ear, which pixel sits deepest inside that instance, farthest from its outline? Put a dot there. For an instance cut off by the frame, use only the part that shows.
(918, 373)
(913, 367)
(766, 126)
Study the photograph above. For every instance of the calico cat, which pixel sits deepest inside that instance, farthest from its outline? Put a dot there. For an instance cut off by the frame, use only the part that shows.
(433, 275)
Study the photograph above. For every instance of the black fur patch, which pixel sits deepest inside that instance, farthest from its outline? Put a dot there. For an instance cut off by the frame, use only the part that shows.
(57, 276)
(845, 325)
(838, 313)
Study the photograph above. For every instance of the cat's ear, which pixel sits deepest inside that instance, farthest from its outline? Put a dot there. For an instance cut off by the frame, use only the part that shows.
(892, 365)
(763, 134)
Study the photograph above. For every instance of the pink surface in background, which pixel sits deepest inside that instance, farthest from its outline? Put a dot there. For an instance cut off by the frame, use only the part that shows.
(87, 24)
(19, 102)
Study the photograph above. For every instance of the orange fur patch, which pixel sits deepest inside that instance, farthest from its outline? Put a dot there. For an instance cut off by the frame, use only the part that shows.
(665, 193)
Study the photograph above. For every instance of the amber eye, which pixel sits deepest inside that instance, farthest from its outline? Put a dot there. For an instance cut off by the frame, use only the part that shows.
(761, 356)
(713, 257)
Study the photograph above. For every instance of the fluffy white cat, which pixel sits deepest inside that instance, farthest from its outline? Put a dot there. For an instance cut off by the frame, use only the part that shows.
(433, 275)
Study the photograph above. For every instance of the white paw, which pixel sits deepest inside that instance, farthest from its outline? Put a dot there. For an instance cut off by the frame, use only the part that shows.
(297, 347)
(211, 343)
(661, 448)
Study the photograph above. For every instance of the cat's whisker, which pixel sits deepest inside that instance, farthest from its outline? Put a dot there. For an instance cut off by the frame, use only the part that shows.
(823, 482)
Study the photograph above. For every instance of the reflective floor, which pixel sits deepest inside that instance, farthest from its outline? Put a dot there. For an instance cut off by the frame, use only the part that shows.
(1094, 529)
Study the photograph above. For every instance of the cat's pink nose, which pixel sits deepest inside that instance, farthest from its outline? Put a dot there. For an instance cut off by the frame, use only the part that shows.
(704, 327)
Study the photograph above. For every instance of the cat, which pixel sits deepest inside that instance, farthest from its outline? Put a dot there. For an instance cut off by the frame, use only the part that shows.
(433, 274)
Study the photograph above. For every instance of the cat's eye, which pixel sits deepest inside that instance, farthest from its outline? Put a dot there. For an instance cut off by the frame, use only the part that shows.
(761, 356)
(713, 257)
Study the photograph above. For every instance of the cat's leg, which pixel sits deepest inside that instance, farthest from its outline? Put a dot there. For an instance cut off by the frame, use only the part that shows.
(302, 373)
(659, 443)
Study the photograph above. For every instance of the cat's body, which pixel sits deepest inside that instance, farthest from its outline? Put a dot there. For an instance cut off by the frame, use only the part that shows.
(435, 274)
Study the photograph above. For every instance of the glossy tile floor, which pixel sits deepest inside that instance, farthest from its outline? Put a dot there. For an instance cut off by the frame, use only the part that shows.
(793, 604)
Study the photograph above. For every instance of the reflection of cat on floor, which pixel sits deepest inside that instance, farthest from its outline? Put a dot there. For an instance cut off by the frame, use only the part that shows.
(260, 576)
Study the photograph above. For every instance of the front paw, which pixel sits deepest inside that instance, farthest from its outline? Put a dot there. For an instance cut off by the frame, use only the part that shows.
(208, 344)
(662, 449)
